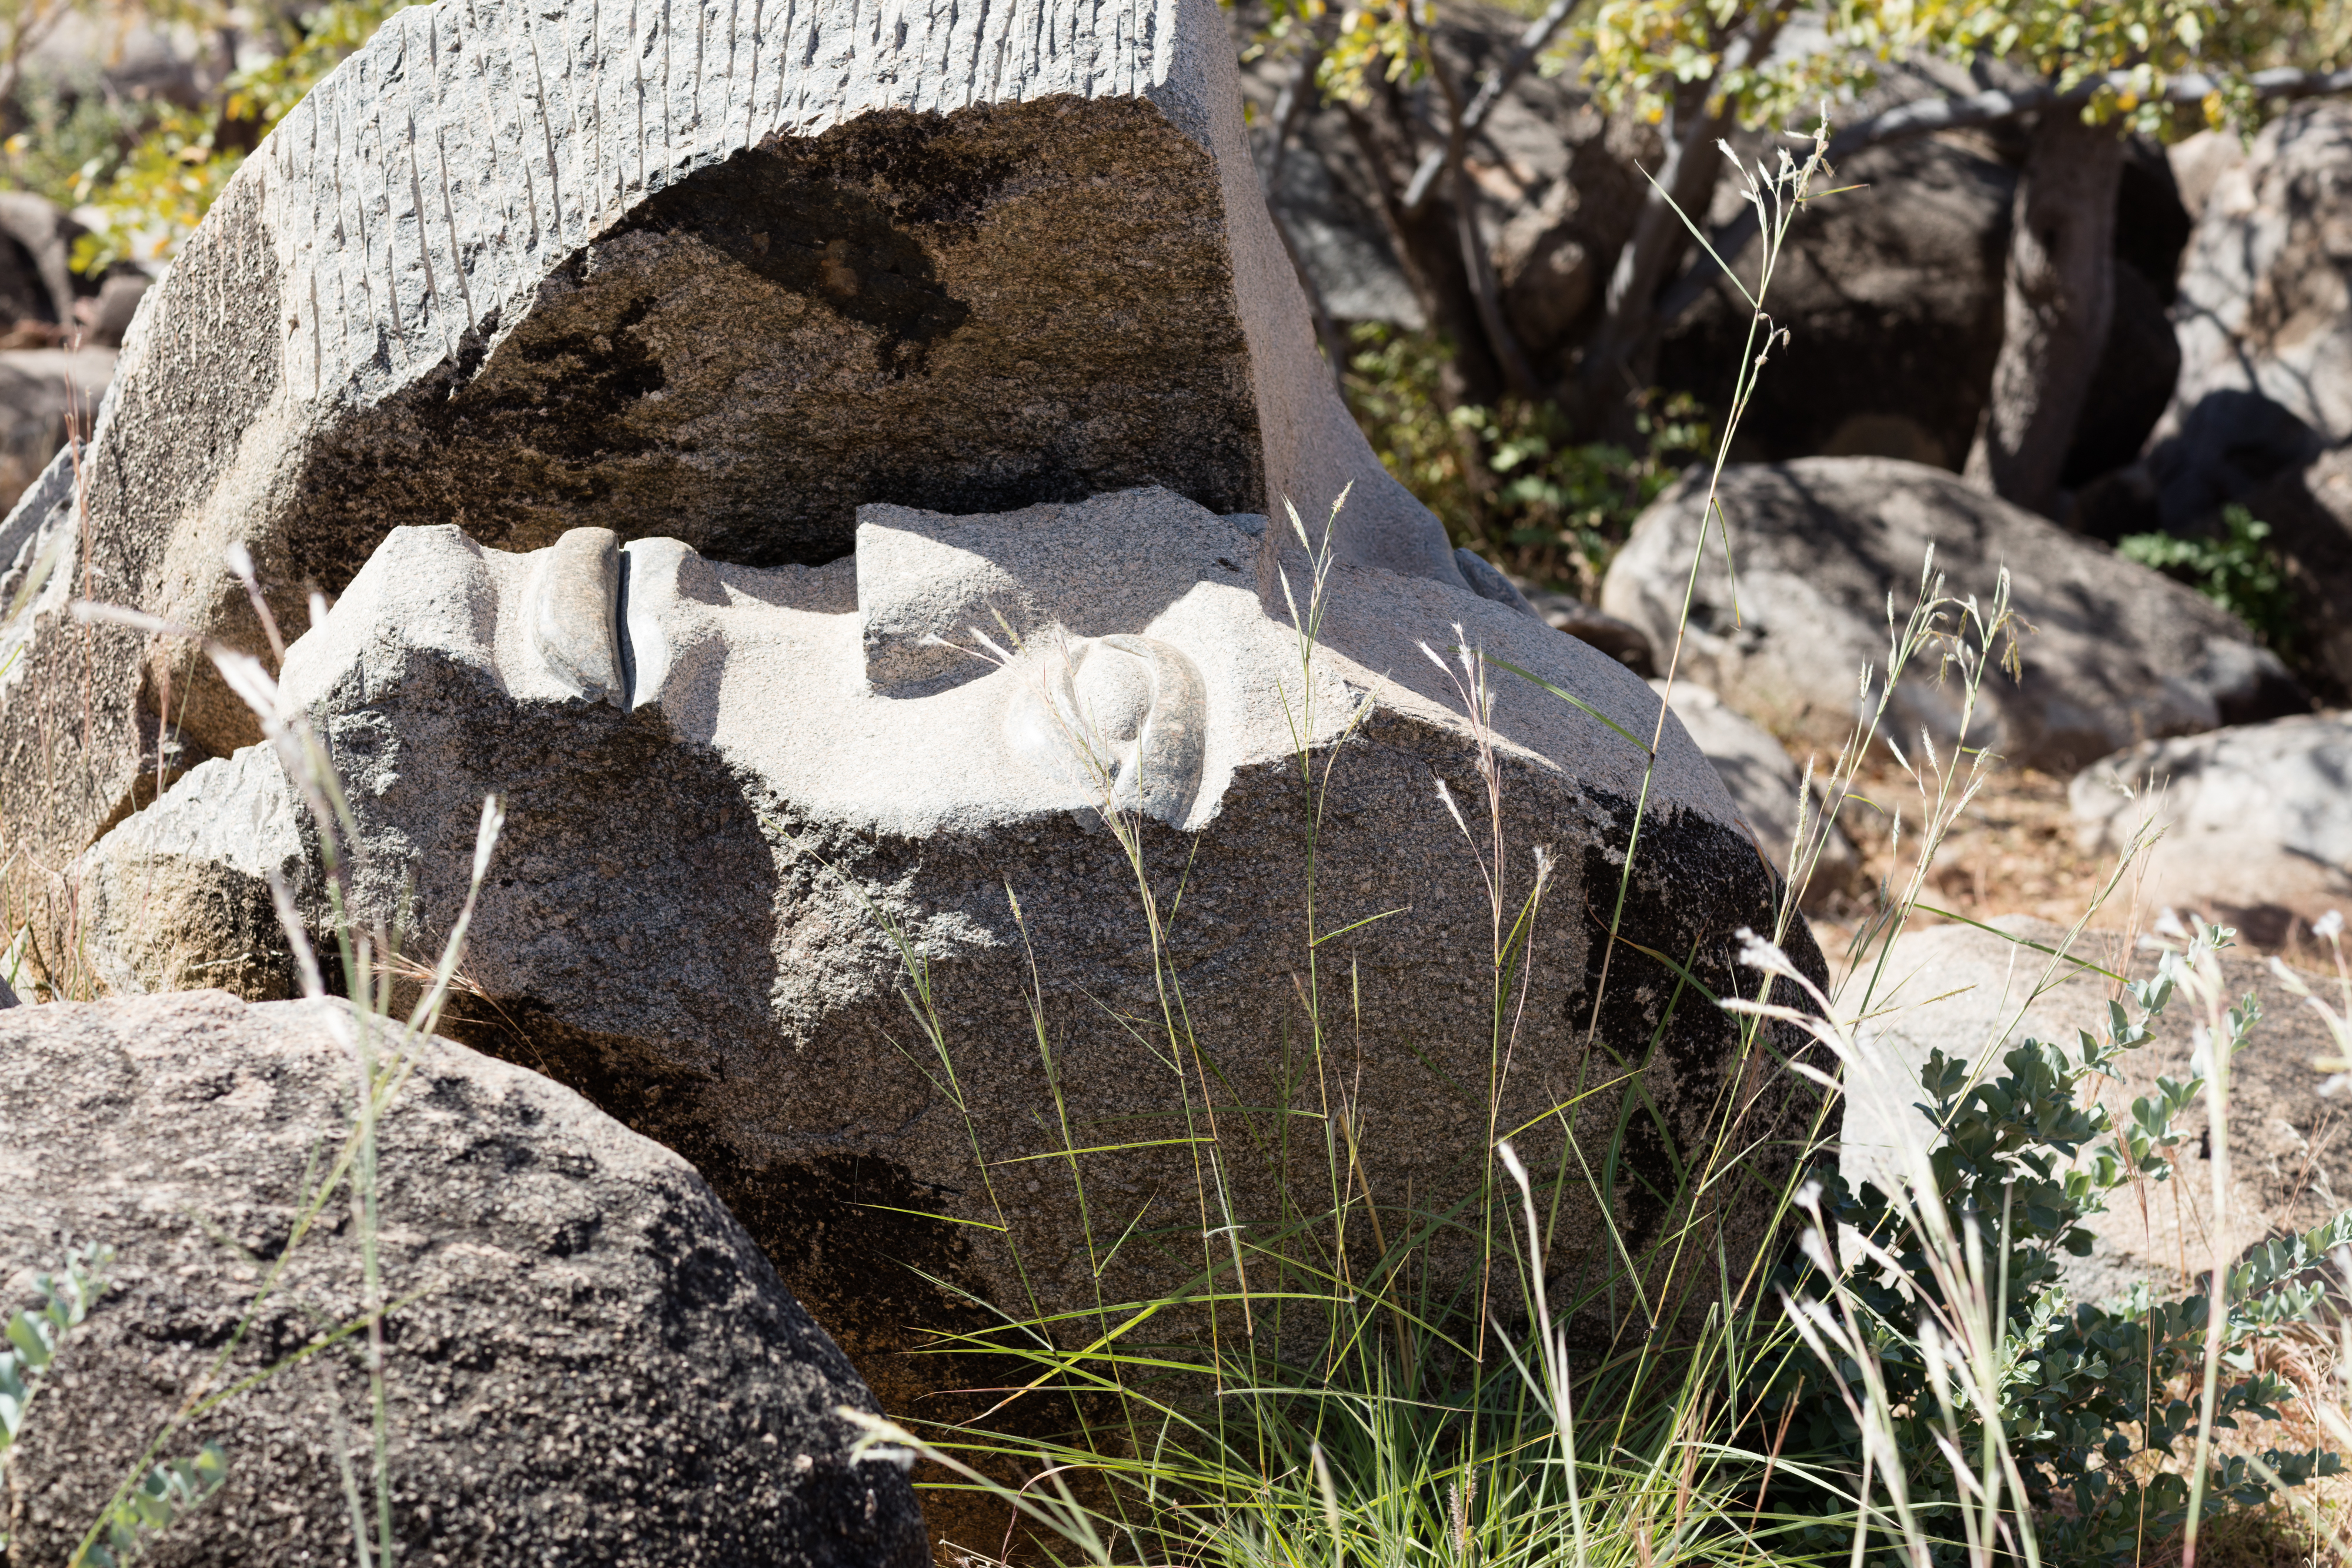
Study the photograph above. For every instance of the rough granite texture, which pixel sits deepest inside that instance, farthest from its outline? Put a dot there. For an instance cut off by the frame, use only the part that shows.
(2263, 290)
(2257, 821)
(763, 813)
(2118, 653)
(1955, 987)
(177, 898)
(716, 272)
(592, 1363)
(2263, 414)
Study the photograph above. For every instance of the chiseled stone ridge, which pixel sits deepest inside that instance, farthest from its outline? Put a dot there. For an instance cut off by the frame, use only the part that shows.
(721, 273)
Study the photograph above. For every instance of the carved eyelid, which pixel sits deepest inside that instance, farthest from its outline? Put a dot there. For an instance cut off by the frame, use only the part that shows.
(1173, 747)
(574, 607)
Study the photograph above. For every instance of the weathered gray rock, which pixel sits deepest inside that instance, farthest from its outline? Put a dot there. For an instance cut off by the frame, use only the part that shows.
(109, 315)
(140, 57)
(1892, 291)
(1892, 295)
(36, 259)
(2263, 302)
(2198, 164)
(1974, 993)
(590, 1361)
(176, 897)
(796, 780)
(2257, 820)
(2309, 509)
(2119, 653)
(1620, 640)
(2265, 406)
(1767, 787)
(702, 271)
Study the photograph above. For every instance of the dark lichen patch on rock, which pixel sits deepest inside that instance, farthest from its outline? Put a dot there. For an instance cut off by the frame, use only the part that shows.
(1693, 885)
(558, 1275)
(965, 312)
(838, 220)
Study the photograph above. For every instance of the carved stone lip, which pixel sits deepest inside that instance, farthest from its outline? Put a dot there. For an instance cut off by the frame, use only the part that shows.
(1156, 773)
(575, 605)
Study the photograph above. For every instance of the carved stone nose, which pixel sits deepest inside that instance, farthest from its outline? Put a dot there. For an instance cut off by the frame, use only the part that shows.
(574, 604)
(1128, 716)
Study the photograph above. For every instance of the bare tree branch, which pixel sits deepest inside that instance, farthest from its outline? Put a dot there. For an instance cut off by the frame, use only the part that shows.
(1519, 376)
(29, 31)
(1532, 43)
(1628, 325)
(1290, 107)
(1924, 117)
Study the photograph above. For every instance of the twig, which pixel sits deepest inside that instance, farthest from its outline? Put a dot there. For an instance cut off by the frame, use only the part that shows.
(1532, 43)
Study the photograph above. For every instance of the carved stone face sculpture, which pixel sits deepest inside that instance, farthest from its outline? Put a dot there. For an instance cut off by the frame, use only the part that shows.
(954, 670)
(754, 811)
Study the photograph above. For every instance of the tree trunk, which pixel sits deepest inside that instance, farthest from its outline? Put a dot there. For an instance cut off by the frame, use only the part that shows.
(2059, 301)
(1290, 109)
(1622, 358)
(1428, 246)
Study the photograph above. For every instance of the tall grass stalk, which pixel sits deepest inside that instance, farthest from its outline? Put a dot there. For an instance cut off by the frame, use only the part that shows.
(1425, 1426)
(369, 1029)
(1404, 1423)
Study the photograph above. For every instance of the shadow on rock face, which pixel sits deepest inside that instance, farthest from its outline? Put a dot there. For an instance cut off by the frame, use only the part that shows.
(965, 313)
(835, 221)
(854, 1233)
(2230, 442)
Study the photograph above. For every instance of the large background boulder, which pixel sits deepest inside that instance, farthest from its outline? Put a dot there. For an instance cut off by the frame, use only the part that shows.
(36, 288)
(1893, 296)
(41, 390)
(2118, 653)
(486, 273)
(2264, 405)
(2309, 510)
(2263, 314)
(1892, 290)
(590, 1363)
(2257, 820)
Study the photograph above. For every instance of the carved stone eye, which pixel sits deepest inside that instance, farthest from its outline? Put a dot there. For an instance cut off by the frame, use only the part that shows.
(1127, 717)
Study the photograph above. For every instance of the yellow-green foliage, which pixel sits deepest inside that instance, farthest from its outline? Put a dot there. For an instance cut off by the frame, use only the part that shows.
(160, 191)
(2152, 41)
(1643, 53)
